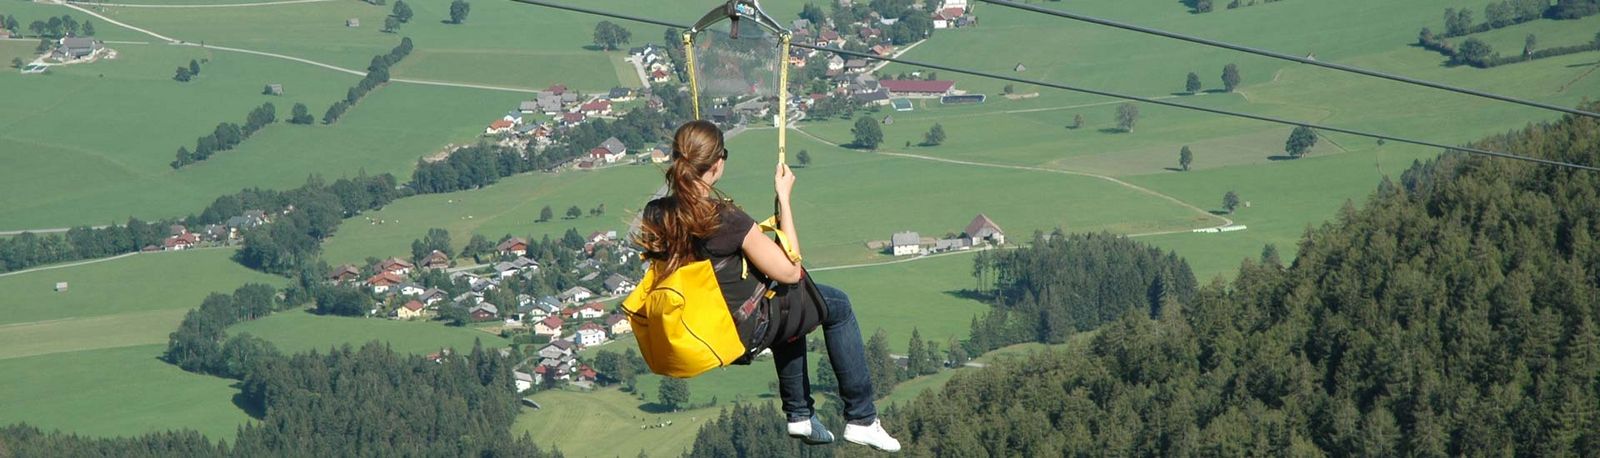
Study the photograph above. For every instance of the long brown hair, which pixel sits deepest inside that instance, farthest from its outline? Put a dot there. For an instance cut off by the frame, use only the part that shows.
(671, 225)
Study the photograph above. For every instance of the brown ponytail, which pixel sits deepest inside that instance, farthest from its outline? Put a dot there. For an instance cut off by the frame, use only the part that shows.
(671, 225)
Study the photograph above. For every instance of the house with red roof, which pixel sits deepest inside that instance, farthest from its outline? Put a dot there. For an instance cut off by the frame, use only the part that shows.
(183, 241)
(396, 266)
(412, 309)
(984, 229)
(572, 119)
(436, 260)
(599, 107)
(499, 126)
(513, 246)
(383, 281)
(344, 273)
(550, 326)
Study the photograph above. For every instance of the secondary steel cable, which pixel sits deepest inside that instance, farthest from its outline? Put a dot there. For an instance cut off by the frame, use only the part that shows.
(1288, 57)
(1115, 95)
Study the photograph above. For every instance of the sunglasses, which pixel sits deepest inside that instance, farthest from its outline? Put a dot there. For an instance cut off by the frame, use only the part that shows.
(724, 154)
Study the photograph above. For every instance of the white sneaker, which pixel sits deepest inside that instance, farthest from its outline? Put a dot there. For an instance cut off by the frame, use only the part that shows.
(810, 431)
(872, 436)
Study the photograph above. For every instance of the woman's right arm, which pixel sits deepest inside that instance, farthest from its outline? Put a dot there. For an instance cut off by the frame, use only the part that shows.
(766, 254)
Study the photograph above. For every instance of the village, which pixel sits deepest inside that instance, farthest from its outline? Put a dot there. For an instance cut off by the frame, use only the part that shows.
(828, 85)
(981, 232)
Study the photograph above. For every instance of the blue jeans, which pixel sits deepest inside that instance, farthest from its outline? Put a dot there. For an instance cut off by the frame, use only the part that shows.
(847, 353)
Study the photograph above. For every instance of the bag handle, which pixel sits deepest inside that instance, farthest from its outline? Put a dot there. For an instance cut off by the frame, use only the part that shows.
(771, 225)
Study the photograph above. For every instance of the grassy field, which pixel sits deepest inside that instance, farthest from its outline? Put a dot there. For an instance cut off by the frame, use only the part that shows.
(846, 197)
(386, 132)
(296, 331)
(116, 392)
(86, 360)
(501, 43)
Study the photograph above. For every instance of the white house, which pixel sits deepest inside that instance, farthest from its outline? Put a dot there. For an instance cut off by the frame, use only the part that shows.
(592, 311)
(591, 334)
(576, 294)
(906, 243)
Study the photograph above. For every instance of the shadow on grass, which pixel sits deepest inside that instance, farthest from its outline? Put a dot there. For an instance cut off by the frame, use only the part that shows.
(1590, 64)
(254, 411)
(1172, 169)
(1218, 212)
(1112, 130)
(1281, 157)
(971, 295)
(655, 408)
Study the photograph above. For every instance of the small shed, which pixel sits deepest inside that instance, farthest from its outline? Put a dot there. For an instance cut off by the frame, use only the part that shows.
(887, 120)
(61, 286)
(1021, 68)
(352, 22)
(274, 89)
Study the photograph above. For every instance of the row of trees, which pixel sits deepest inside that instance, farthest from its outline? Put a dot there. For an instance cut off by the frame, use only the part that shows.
(54, 27)
(290, 243)
(1480, 54)
(226, 136)
(377, 74)
(1454, 314)
(31, 249)
(1459, 22)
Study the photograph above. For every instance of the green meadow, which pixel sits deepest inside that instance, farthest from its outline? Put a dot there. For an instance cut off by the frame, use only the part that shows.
(87, 360)
(843, 200)
(121, 391)
(115, 177)
(297, 331)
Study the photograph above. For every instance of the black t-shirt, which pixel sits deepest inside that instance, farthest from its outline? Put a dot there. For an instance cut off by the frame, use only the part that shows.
(724, 249)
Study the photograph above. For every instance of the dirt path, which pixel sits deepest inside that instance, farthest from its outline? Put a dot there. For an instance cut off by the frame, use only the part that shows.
(336, 68)
(216, 5)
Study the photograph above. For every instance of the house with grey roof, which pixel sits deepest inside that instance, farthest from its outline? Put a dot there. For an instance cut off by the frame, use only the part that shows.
(78, 47)
(905, 243)
(529, 106)
(618, 285)
(614, 145)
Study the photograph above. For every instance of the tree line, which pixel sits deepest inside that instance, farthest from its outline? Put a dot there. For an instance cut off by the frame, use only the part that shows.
(386, 403)
(1454, 314)
(30, 249)
(293, 240)
(1064, 284)
(53, 27)
(227, 135)
(1459, 22)
(377, 74)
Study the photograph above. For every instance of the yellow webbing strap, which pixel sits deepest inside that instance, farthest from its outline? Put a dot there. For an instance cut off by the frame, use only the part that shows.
(783, 100)
(688, 57)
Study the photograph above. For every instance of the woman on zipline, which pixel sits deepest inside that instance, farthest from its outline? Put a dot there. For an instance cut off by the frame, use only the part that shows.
(695, 221)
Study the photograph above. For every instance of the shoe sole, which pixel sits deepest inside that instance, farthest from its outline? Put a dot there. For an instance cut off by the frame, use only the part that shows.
(809, 441)
(874, 447)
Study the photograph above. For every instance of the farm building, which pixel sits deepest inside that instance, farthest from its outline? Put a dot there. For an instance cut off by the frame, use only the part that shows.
(274, 89)
(77, 47)
(61, 286)
(352, 22)
(906, 243)
(919, 88)
(900, 104)
(983, 229)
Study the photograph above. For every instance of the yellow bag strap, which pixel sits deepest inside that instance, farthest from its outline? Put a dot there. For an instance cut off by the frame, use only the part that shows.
(771, 225)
